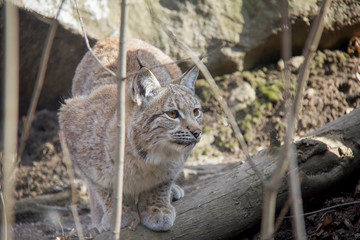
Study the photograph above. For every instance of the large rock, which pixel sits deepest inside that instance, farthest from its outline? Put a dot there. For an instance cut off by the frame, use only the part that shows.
(249, 30)
(67, 51)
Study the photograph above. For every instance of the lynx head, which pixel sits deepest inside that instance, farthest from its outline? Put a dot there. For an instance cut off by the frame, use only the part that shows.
(167, 116)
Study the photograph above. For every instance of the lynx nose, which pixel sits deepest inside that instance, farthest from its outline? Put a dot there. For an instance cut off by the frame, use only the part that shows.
(196, 133)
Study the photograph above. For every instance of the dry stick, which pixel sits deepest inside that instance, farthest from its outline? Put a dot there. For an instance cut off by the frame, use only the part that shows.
(295, 191)
(39, 83)
(271, 188)
(92, 52)
(11, 106)
(289, 152)
(74, 195)
(282, 214)
(128, 75)
(221, 100)
(286, 50)
(119, 177)
(213, 87)
(4, 219)
(202, 56)
(87, 40)
(329, 208)
(293, 112)
(310, 47)
(270, 191)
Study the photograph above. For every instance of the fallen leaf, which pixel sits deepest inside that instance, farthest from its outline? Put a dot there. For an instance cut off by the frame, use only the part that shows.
(357, 76)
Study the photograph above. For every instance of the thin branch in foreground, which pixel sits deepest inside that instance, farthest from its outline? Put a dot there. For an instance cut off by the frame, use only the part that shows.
(4, 219)
(10, 126)
(121, 118)
(290, 153)
(134, 72)
(74, 195)
(282, 214)
(39, 83)
(217, 93)
(328, 208)
(87, 40)
(286, 50)
(271, 187)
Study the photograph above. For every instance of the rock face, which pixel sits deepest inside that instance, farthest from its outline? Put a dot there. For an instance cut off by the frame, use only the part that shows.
(68, 49)
(248, 30)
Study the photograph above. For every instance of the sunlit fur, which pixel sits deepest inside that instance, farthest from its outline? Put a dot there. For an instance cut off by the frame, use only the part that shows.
(157, 145)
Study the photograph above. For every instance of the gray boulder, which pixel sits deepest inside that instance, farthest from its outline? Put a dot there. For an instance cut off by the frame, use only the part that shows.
(249, 31)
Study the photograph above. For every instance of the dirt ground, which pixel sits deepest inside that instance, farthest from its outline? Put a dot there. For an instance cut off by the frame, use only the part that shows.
(332, 91)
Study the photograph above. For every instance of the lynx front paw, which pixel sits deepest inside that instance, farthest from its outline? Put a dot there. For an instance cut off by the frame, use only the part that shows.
(176, 192)
(158, 218)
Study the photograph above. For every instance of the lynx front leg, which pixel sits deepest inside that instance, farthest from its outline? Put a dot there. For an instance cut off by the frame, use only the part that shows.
(155, 209)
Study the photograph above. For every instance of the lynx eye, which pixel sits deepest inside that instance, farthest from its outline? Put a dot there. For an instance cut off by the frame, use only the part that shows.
(173, 114)
(196, 112)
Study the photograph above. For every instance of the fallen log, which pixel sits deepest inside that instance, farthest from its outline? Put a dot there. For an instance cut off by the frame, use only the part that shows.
(232, 202)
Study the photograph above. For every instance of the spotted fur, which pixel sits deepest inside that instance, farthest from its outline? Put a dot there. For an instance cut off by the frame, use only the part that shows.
(163, 124)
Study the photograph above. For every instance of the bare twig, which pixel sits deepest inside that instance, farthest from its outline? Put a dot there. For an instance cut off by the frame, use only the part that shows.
(74, 195)
(289, 155)
(286, 50)
(311, 45)
(87, 40)
(130, 74)
(39, 82)
(4, 219)
(328, 208)
(217, 93)
(282, 214)
(11, 106)
(271, 187)
(119, 164)
(202, 56)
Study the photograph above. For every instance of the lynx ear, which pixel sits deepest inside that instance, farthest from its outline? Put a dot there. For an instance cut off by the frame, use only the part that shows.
(144, 83)
(188, 79)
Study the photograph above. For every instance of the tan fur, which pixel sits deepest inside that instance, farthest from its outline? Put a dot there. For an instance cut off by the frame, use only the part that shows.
(157, 145)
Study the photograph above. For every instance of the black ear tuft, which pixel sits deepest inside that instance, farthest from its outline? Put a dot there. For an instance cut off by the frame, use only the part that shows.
(189, 78)
(139, 62)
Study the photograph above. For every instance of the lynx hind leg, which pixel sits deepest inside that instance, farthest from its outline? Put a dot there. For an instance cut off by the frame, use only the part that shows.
(130, 214)
(176, 192)
(101, 204)
(96, 209)
(130, 217)
(155, 209)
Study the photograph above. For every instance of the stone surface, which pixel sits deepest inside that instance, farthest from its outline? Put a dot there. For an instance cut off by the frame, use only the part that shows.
(68, 49)
(248, 30)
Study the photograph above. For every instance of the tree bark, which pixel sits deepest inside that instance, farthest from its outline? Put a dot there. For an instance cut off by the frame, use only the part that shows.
(232, 202)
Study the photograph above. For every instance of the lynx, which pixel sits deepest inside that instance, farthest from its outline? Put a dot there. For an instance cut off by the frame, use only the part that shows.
(163, 124)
